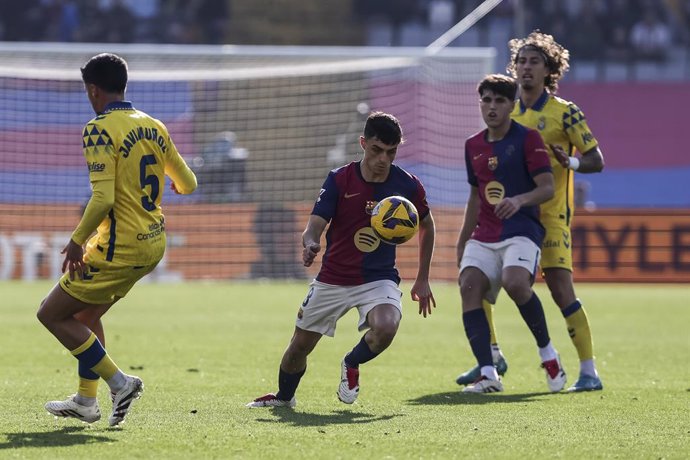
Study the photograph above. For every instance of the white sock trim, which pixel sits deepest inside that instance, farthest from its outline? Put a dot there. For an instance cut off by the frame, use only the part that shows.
(548, 353)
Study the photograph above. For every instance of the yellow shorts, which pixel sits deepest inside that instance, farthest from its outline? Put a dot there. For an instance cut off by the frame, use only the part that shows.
(556, 250)
(102, 285)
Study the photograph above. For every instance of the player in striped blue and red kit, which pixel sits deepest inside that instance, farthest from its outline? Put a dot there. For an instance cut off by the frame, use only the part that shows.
(499, 243)
(358, 269)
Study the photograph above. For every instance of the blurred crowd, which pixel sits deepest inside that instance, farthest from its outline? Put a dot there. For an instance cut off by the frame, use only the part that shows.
(115, 21)
(621, 30)
(592, 29)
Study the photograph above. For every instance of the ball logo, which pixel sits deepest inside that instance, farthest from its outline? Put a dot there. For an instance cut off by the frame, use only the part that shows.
(366, 240)
(395, 220)
(494, 192)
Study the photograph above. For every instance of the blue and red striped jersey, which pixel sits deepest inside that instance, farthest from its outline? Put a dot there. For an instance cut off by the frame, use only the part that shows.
(502, 169)
(354, 254)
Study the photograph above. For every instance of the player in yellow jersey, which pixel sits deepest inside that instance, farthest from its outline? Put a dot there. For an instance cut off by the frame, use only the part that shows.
(128, 154)
(538, 62)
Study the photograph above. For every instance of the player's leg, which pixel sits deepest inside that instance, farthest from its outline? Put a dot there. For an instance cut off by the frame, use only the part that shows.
(521, 258)
(294, 362)
(469, 376)
(517, 284)
(474, 284)
(383, 321)
(100, 287)
(316, 317)
(560, 283)
(57, 313)
(88, 380)
(293, 365)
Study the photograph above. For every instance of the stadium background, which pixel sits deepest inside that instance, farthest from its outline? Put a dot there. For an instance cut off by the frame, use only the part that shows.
(263, 140)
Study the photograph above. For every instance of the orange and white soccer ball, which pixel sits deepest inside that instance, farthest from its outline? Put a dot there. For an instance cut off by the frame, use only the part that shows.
(395, 220)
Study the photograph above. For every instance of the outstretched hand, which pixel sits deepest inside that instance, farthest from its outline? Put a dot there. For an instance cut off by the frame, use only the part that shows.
(309, 253)
(421, 292)
(561, 155)
(74, 259)
(173, 187)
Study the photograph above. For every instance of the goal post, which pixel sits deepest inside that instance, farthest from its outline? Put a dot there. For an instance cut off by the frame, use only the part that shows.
(261, 127)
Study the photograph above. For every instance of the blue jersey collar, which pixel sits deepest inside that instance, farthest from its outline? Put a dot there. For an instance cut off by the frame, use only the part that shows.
(539, 105)
(118, 105)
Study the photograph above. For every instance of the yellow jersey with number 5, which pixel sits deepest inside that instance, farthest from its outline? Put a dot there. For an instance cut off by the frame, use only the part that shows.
(135, 151)
(562, 123)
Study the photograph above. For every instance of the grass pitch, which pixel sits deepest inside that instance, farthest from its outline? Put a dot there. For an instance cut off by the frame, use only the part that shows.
(204, 350)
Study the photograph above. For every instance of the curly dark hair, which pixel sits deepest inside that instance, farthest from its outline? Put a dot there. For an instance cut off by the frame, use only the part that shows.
(556, 56)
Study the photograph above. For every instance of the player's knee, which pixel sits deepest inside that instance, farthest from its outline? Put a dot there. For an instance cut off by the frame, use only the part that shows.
(517, 289)
(384, 333)
(469, 291)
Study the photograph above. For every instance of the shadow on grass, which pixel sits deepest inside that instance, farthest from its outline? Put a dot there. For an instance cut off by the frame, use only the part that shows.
(339, 417)
(457, 397)
(66, 436)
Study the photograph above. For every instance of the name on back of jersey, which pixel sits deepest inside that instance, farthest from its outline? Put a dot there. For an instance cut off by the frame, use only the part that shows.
(141, 133)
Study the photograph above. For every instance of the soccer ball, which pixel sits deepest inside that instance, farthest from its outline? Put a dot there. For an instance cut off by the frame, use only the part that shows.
(395, 220)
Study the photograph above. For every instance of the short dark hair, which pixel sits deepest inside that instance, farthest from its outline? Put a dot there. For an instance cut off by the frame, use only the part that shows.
(384, 127)
(499, 84)
(107, 71)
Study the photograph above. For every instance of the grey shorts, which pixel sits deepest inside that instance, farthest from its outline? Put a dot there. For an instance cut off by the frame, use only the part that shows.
(325, 304)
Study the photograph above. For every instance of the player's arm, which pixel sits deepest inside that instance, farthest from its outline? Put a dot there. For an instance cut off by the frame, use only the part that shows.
(311, 238)
(183, 178)
(579, 135)
(543, 192)
(101, 202)
(469, 222)
(592, 161)
(421, 290)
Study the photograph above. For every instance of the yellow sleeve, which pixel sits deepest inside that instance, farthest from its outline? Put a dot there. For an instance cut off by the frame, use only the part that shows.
(176, 168)
(579, 134)
(99, 153)
(100, 203)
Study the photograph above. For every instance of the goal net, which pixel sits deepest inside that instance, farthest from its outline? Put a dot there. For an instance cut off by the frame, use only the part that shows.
(260, 126)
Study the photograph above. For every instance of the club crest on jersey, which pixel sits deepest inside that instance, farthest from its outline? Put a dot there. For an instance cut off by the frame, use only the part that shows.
(369, 206)
(542, 124)
(493, 163)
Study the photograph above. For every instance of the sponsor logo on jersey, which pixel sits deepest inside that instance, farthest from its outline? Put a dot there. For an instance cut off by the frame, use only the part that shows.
(96, 167)
(366, 240)
(154, 230)
(494, 192)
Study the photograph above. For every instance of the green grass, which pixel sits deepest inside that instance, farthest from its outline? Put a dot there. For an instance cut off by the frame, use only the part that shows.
(204, 350)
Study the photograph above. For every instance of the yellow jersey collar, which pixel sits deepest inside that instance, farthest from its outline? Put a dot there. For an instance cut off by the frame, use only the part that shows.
(539, 105)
